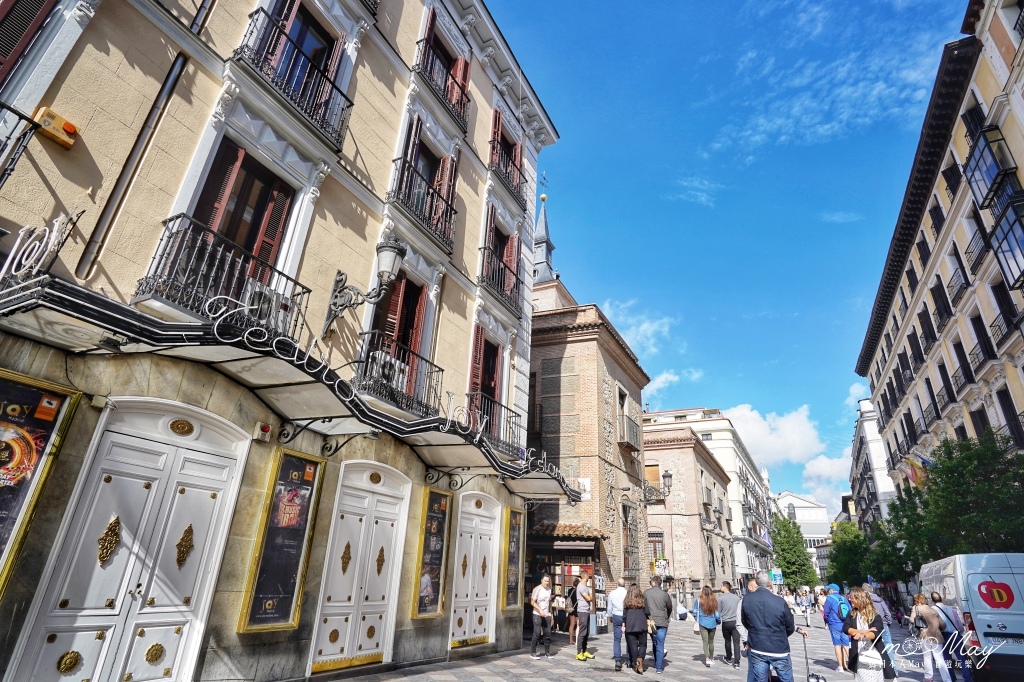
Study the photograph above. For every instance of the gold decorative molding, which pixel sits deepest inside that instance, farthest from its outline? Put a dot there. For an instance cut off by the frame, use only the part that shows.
(479, 620)
(51, 638)
(68, 662)
(109, 603)
(182, 427)
(107, 478)
(141, 632)
(167, 672)
(346, 558)
(465, 564)
(380, 559)
(177, 630)
(370, 632)
(100, 634)
(375, 478)
(459, 622)
(479, 504)
(186, 601)
(184, 546)
(333, 637)
(483, 568)
(128, 677)
(154, 653)
(64, 603)
(150, 601)
(110, 539)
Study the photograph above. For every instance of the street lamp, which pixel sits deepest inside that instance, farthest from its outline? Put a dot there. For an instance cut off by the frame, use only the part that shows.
(652, 494)
(344, 296)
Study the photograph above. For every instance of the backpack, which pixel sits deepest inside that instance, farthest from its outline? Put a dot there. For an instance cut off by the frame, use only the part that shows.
(844, 607)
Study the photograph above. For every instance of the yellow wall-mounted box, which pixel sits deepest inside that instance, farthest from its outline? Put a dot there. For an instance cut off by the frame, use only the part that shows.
(56, 127)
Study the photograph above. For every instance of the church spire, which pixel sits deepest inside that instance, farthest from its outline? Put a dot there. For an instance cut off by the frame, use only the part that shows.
(542, 246)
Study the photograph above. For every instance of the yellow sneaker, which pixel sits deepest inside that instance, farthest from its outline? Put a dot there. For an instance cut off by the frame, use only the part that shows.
(587, 654)
(580, 657)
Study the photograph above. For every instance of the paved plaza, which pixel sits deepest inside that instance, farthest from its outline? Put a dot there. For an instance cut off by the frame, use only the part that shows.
(684, 662)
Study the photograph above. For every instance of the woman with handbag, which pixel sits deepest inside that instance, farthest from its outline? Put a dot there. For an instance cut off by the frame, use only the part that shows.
(634, 624)
(868, 658)
(706, 619)
(573, 600)
(926, 625)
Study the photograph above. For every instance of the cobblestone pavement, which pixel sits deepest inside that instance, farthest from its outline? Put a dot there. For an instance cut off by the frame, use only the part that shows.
(684, 661)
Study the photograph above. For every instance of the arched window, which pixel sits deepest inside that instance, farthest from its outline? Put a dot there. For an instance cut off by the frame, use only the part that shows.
(791, 511)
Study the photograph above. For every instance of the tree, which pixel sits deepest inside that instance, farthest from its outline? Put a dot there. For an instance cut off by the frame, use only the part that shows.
(886, 560)
(791, 553)
(846, 558)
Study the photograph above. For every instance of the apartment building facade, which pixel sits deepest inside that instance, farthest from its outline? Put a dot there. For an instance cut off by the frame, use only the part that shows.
(812, 517)
(267, 331)
(872, 487)
(585, 387)
(751, 509)
(943, 351)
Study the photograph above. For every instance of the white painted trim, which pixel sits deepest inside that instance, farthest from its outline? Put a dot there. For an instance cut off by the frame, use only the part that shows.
(493, 560)
(445, 27)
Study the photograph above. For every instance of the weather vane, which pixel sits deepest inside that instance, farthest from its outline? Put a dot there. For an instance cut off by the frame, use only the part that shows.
(544, 179)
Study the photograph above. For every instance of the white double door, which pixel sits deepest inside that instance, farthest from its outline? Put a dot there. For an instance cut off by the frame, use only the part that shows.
(355, 623)
(475, 571)
(122, 600)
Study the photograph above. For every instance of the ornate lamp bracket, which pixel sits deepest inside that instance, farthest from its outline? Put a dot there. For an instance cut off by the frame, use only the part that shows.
(345, 296)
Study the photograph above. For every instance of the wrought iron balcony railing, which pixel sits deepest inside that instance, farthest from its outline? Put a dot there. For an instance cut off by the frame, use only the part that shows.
(956, 287)
(929, 415)
(19, 129)
(979, 355)
(961, 377)
(974, 121)
(940, 317)
(501, 425)
(394, 373)
(194, 265)
(509, 172)
(441, 80)
(988, 164)
(274, 56)
(924, 251)
(976, 251)
(927, 343)
(952, 175)
(938, 220)
(1001, 327)
(372, 5)
(915, 362)
(903, 311)
(1018, 25)
(629, 433)
(501, 280)
(424, 202)
(919, 430)
(943, 399)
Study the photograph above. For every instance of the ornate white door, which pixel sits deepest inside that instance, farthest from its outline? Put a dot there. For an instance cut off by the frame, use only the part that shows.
(357, 603)
(475, 571)
(122, 599)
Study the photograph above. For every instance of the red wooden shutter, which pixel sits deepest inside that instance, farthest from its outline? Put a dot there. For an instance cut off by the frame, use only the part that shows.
(412, 140)
(491, 226)
(495, 134)
(275, 217)
(393, 309)
(476, 370)
(285, 11)
(20, 20)
(451, 177)
(511, 260)
(416, 337)
(217, 188)
(457, 81)
(517, 162)
(326, 88)
(428, 32)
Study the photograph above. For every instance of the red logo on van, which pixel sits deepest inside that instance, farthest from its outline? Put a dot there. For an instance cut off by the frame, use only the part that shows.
(996, 595)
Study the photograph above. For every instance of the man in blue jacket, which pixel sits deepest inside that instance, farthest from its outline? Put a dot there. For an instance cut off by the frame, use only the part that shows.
(769, 623)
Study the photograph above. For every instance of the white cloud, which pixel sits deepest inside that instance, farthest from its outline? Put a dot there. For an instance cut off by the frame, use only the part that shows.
(775, 438)
(660, 382)
(858, 391)
(840, 217)
(826, 479)
(692, 374)
(643, 332)
(697, 190)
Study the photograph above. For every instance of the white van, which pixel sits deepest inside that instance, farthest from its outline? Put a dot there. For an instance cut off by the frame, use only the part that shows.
(988, 592)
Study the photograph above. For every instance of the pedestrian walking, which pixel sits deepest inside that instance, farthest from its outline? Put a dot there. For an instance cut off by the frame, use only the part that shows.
(834, 613)
(926, 625)
(707, 617)
(659, 610)
(790, 602)
(573, 612)
(769, 623)
(953, 635)
(803, 605)
(729, 609)
(882, 609)
(869, 659)
(584, 601)
(634, 624)
(616, 605)
(540, 600)
(820, 601)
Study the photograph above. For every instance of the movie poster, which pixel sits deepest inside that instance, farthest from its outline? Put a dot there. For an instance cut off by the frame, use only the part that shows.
(275, 589)
(514, 560)
(430, 577)
(33, 416)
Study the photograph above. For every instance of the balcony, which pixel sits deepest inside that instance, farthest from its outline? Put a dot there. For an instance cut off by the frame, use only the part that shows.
(961, 378)
(920, 430)
(629, 433)
(940, 317)
(1018, 25)
(976, 251)
(942, 399)
(194, 265)
(927, 343)
(938, 220)
(916, 362)
(498, 278)
(389, 371)
(441, 81)
(1001, 328)
(280, 61)
(974, 121)
(1008, 241)
(924, 252)
(372, 5)
(956, 287)
(903, 311)
(987, 165)
(424, 202)
(501, 425)
(929, 416)
(978, 356)
(952, 176)
(508, 171)
(19, 130)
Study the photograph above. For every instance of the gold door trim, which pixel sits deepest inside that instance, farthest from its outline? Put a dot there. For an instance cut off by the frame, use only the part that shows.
(380, 560)
(346, 558)
(340, 663)
(469, 642)
(68, 662)
(109, 541)
(184, 546)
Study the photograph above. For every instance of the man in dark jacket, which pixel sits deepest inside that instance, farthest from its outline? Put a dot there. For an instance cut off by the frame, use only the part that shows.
(659, 604)
(769, 623)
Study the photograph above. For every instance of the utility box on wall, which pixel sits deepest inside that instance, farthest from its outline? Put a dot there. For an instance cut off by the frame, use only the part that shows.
(56, 127)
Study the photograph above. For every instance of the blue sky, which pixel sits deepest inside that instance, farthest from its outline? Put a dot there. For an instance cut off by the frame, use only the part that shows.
(739, 167)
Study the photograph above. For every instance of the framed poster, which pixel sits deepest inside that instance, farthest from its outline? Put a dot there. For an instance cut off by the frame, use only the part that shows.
(512, 560)
(34, 417)
(437, 508)
(273, 594)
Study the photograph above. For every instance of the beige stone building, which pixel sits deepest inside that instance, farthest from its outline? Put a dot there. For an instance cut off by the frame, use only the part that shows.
(267, 335)
(585, 386)
(689, 523)
(943, 350)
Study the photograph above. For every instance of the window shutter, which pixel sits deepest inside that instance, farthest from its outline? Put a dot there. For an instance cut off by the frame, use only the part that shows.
(511, 260)
(457, 82)
(517, 163)
(495, 134)
(416, 337)
(491, 226)
(275, 218)
(20, 20)
(213, 199)
(393, 308)
(412, 140)
(476, 371)
(451, 178)
(428, 32)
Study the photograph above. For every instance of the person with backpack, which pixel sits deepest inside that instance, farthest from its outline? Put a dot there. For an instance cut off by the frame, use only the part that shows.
(573, 612)
(953, 627)
(835, 611)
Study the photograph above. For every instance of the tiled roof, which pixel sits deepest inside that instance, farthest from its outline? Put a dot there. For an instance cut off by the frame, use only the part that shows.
(568, 530)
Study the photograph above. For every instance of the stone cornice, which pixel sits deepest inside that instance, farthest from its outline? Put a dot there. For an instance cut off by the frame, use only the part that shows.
(588, 327)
